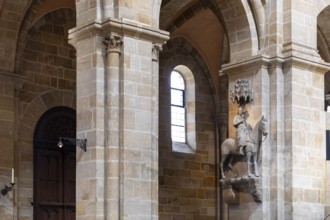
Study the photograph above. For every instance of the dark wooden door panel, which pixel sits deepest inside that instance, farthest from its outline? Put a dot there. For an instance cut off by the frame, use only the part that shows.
(55, 184)
(69, 178)
(69, 214)
(49, 176)
(49, 213)
(54, 168)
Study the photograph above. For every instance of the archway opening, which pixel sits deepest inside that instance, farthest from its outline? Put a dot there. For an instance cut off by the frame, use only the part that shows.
(54, 167)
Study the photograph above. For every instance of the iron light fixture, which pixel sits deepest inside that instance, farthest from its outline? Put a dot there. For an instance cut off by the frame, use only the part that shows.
(81, 143)
(6, 189)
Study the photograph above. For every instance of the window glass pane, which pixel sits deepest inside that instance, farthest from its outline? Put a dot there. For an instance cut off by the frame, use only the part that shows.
(177, 97)
(177, 116)
(177, 81)
(178, 134)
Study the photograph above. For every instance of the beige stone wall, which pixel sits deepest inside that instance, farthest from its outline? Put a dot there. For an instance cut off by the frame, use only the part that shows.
(119, 116)
(145, 12)
(305, 142)
(187, 181)
(7, 136)
(47, 67)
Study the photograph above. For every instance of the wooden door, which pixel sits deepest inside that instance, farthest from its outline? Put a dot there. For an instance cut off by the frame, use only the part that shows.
(54, 168)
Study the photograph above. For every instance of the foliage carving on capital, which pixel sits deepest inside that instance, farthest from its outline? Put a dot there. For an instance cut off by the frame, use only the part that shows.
(113, 43)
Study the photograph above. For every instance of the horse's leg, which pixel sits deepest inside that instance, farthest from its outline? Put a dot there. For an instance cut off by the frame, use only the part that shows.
(223, 159)
(230, 166)
(248, 159)
(255, 163)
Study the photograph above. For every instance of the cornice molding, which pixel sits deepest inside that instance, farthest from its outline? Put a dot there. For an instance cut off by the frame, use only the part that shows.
(263, 61)
(118, 27)
(257, 62)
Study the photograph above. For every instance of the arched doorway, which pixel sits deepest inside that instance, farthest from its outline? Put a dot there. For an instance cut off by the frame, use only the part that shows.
(54, 168)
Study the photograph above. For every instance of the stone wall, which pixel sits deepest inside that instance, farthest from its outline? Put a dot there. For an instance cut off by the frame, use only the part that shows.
(187, 181)
(47, 66)
(7, 134)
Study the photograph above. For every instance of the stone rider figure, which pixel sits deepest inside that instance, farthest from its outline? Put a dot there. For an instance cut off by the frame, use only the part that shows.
(242, 129)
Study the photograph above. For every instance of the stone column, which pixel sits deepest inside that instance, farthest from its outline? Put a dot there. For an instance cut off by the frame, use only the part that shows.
(117, 109)
(154, 128)
(112, 125)
(221, 133)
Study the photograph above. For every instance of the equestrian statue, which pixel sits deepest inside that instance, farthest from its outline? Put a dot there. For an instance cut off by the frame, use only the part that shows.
(248, 139)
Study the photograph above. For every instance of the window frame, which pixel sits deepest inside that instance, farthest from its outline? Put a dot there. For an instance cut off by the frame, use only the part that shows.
(183, 107)
(189, 102)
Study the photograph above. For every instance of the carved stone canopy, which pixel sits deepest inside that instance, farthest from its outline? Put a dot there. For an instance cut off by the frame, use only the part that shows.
(242, 93)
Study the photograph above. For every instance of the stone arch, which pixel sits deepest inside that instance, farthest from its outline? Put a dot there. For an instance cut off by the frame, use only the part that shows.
(327, 90)
(179, 51)
(145, 12)
(321, 5)
(66, 14)
(323, 33)
(323, 45)
(26, 126)
(12, 15)
(240, 25)
(259, 15)
(192, 11)
(38, 106)
(239, 20)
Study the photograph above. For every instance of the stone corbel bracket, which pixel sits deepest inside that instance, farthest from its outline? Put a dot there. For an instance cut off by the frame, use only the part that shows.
(242, 93)
(231, 186)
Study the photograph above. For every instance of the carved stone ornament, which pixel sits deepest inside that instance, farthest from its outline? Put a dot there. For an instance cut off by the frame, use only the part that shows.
(113, 43)
(252, 185)
(242, 93)
(155, 52)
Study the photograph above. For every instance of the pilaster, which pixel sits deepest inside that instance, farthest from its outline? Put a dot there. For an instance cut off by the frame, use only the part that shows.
(289, 92)
(304, 138)
(117, 108)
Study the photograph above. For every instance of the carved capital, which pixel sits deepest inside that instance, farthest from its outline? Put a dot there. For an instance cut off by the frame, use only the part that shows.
(113, 43)
(156, 48)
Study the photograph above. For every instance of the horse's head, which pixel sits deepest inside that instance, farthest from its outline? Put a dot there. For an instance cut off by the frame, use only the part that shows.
(259, 130)
(263, 127)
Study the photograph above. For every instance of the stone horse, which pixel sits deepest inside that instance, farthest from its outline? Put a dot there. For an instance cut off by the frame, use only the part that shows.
(253, 141)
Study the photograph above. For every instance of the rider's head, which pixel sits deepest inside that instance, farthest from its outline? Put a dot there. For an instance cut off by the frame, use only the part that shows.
(240, 110)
